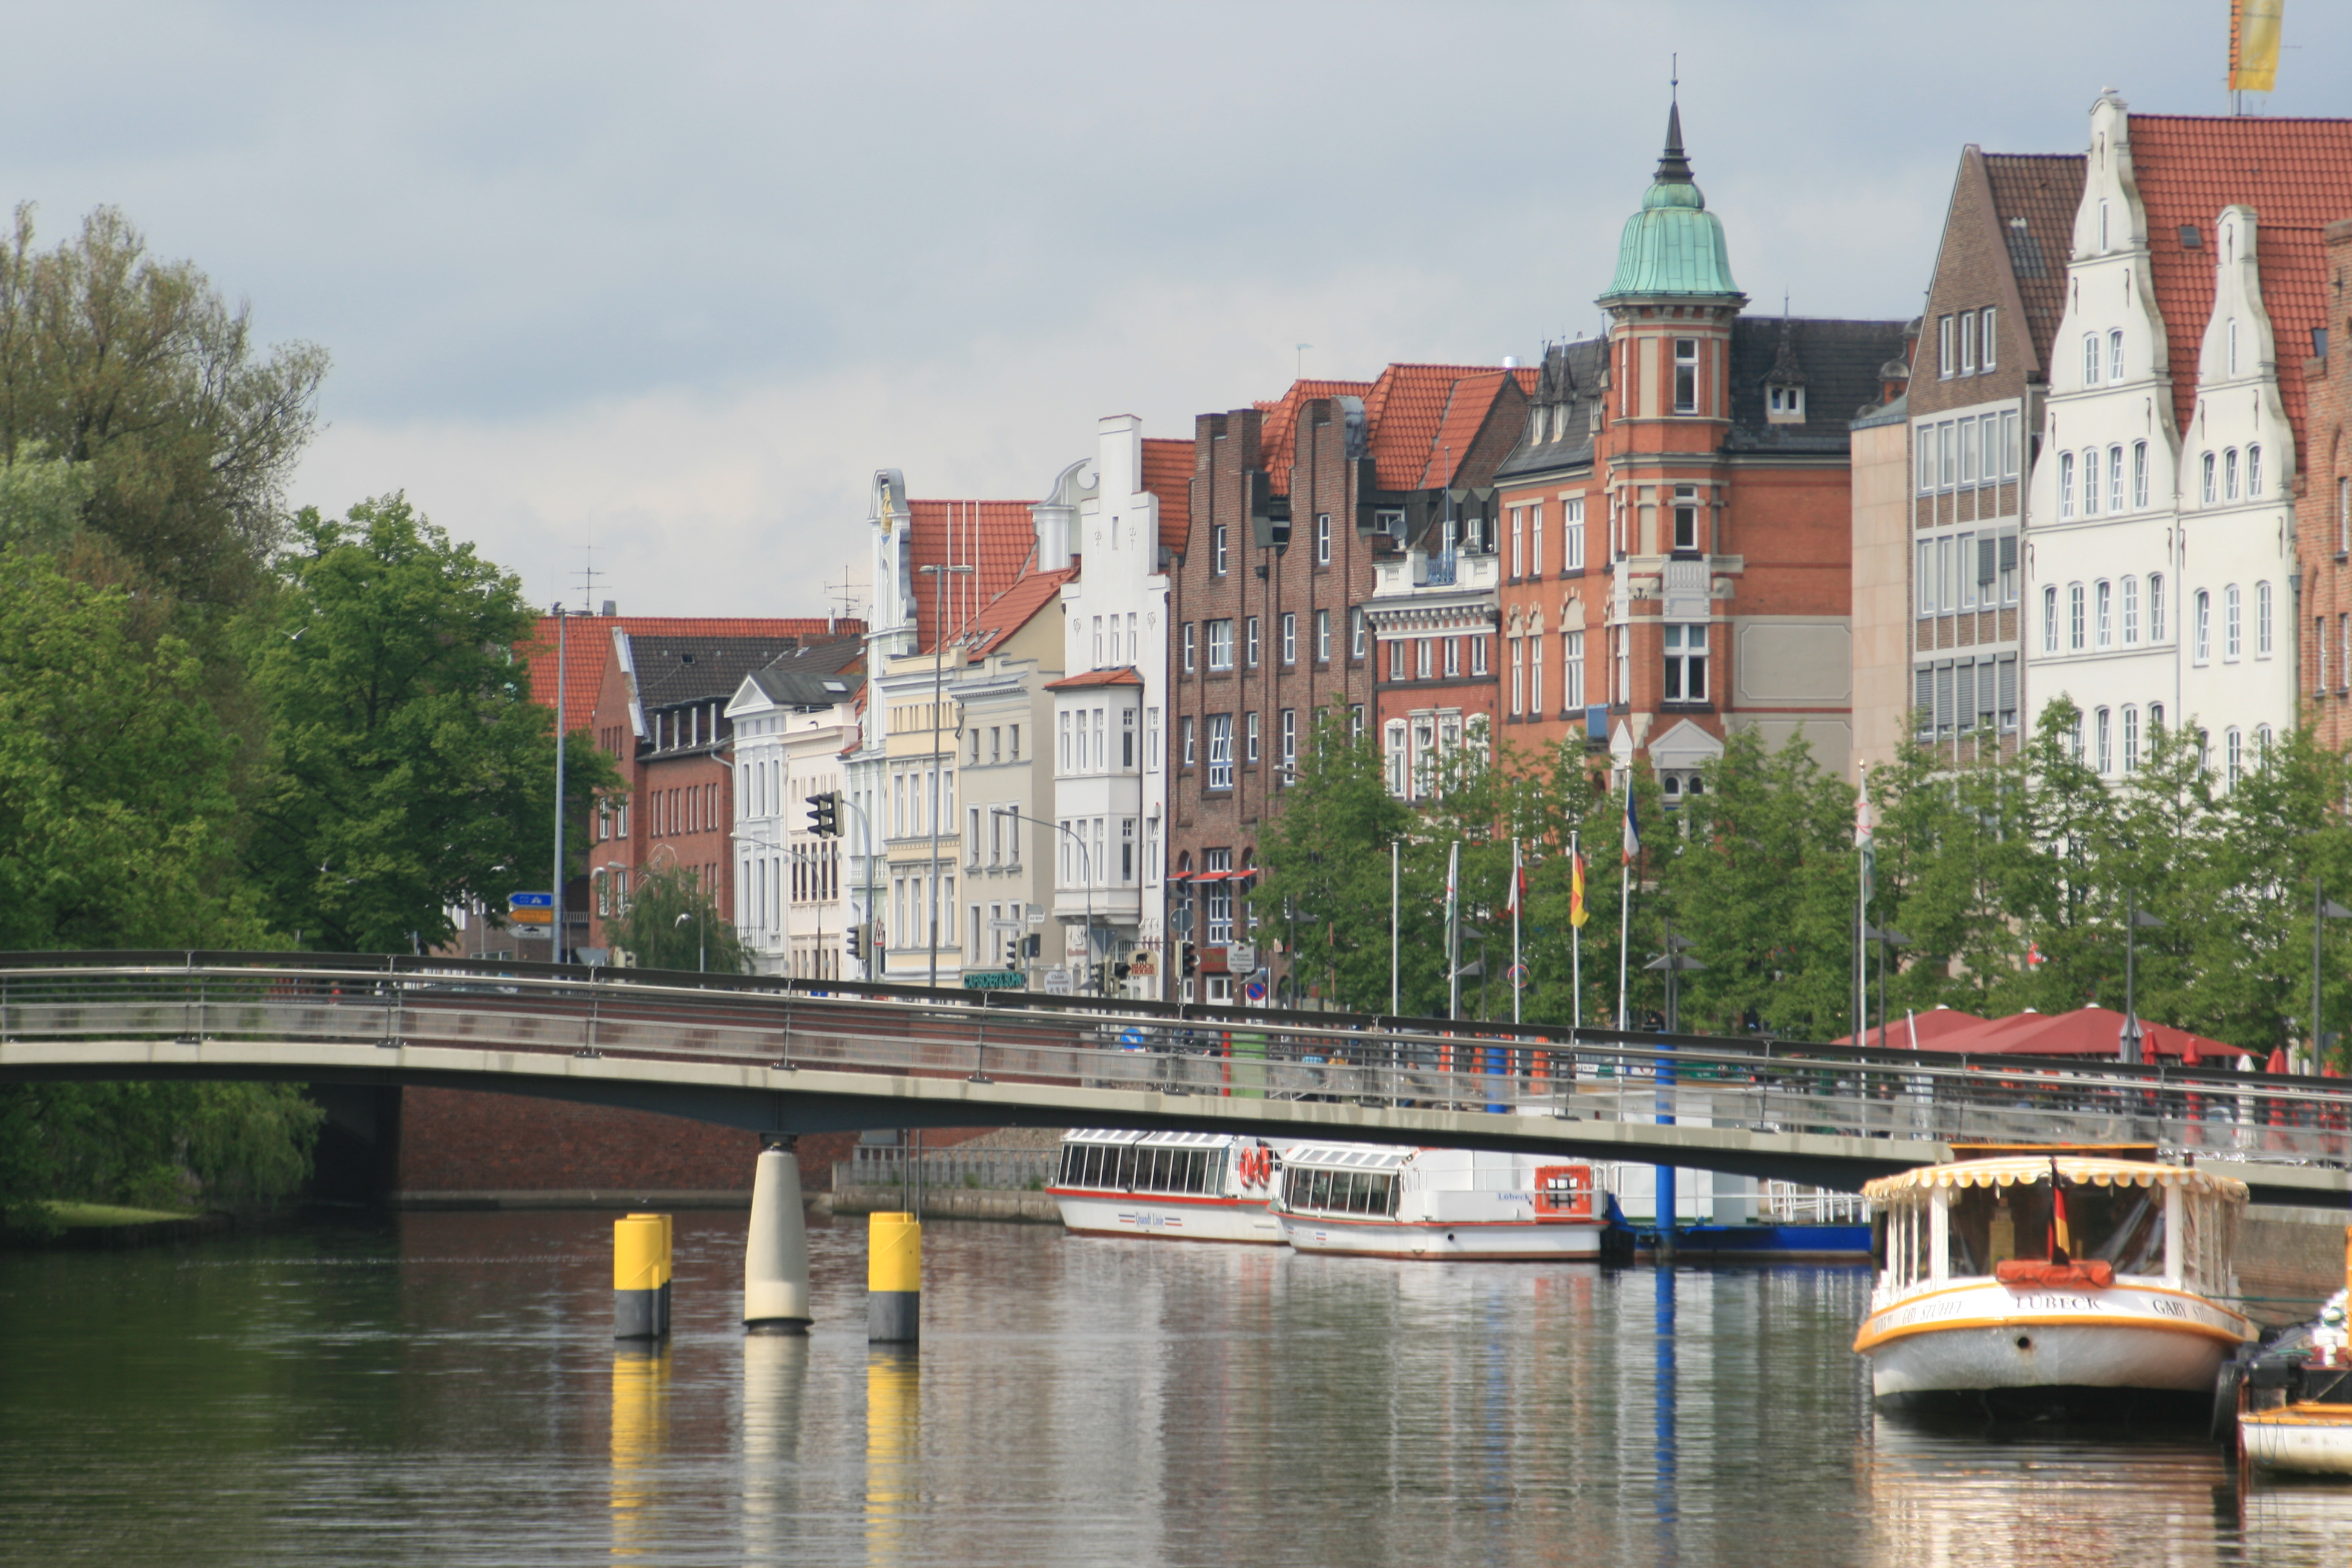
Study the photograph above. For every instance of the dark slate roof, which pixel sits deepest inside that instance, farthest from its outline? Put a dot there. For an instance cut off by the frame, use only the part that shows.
(796, 687)
(2034, 196)
(1839, 362)
(1569, 378)
(674, 669)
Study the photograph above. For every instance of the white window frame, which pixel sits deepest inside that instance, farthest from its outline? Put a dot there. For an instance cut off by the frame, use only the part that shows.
(1322, 636)
(2263, 608)
(2202, 628)
(1221, 649)
(1686, 372)
(1322, 539)
(2234, 623)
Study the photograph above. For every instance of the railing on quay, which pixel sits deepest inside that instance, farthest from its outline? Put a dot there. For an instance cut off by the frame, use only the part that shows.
(992, 1170)
(1760, 1085)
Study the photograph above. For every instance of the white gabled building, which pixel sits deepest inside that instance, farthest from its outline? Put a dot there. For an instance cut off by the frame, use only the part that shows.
(2159, 560)
(792, 903)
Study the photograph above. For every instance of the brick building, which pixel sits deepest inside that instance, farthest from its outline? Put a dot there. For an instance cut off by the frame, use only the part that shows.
(1292, 504)
(1939, 502)
(2323, 509)
(1695, 472)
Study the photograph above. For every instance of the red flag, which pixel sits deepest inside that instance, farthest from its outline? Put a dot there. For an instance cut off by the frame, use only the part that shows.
(2058, 1236)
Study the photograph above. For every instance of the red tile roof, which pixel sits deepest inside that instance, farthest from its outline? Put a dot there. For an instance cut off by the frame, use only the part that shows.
(588, 642)
(1168, 474)
(1277, 439)
(1011, 610)
(2044, 189)
(1468, 402)
(998, 536)
(2297, 177)
(1406, 409)
(1125, 675)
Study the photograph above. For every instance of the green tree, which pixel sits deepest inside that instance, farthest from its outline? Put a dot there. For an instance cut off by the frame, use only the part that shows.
(671, 922)
(1326, 864)
(409, 773)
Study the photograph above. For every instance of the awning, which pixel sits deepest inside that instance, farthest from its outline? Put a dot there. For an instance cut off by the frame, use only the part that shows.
(2013, 1170)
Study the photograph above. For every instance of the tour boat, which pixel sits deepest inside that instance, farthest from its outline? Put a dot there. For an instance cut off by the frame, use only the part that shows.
(1176, 1186)
(1368, 1200)
(2052, 1279)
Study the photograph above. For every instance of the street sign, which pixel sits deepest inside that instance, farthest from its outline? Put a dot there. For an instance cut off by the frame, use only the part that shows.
(1255, 991)
(530, 908)
(1518, 972)
(1004, 925)
(994, 980)
(1242, 957)
(1057, 982)
(531, 900)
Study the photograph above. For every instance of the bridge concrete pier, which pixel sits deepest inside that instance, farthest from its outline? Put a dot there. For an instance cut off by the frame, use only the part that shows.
(775, 1249)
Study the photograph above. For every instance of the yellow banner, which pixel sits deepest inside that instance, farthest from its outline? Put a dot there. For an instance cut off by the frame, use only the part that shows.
(2254, 44)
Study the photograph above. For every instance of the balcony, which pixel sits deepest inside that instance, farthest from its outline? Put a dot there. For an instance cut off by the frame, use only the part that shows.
(1444, 571)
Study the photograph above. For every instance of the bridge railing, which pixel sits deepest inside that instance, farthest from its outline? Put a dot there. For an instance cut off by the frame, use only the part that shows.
(995, 1169)
(172, 1002)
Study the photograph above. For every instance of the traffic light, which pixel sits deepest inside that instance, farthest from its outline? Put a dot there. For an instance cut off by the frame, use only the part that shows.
(1013, 951)
(1192, 959)
(824, 814)
(856, 942)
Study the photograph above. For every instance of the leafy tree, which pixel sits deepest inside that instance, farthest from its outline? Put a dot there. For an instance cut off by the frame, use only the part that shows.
(136, 370)
(1326, 864)
(409, 773)
(672, 923)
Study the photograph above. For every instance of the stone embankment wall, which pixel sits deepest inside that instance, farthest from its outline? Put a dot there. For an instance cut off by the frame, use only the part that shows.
(2290, 1260)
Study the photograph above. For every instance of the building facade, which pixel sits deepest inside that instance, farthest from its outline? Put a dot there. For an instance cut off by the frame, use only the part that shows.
(2324, 514)
(792, 722)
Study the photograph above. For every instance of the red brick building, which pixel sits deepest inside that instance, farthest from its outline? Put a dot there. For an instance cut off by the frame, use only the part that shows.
(2323, 509)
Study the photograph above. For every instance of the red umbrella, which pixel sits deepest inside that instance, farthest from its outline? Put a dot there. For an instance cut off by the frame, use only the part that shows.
(2278, 1060)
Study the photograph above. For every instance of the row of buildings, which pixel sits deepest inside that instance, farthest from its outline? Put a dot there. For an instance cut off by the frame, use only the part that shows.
(2105, 466)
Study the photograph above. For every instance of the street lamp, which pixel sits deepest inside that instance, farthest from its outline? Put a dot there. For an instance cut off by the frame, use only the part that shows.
(1675, 960)
(1886, 940)
(938, 575)
(2136, 921)
(2322, 909)
(1085, 867)
(701, 932)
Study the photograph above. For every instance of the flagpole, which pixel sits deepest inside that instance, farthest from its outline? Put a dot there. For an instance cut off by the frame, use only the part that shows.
(1454, 931)
(1575, 954)
(1863, 847)
(1517, 881)
(1396, 851)
(1624, 900)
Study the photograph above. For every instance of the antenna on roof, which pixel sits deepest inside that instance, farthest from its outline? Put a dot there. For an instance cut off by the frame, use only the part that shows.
(588, 575)
(1674, 78)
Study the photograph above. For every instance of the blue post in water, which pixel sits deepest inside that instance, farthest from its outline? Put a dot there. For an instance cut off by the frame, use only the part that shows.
(1499, 1062)
(1662, 1418)
(1664, 1176)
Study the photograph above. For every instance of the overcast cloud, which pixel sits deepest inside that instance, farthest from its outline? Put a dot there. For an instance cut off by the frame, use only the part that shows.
(672, 281)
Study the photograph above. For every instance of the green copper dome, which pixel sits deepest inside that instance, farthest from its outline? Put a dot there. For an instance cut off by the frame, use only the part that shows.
(1674, 246)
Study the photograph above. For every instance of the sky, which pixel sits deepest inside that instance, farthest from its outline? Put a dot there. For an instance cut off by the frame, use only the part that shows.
(660, 288)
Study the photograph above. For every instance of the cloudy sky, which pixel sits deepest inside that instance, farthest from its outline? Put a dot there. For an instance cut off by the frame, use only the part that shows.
(671, 281)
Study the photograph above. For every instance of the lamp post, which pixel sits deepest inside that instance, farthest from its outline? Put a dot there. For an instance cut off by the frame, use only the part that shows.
(2322, 909)
(1886, 940)
(702, 935)
(2136, 921)
(555, 942)
(1085, 867)
(938, 575)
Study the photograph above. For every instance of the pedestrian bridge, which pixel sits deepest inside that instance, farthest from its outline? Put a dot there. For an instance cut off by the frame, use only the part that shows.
(791, 1057)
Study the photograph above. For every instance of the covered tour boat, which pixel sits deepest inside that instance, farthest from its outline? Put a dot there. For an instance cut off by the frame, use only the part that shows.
(2036, 1278)
(1175, 1186)
(1372, 1201)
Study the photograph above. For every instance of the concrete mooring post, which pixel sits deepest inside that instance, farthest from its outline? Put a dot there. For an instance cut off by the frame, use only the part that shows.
(894, 1279)
(641, 1270)
(775, 1252)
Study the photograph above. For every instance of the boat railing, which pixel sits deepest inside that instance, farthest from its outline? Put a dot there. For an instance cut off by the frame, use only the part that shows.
(990, 1169)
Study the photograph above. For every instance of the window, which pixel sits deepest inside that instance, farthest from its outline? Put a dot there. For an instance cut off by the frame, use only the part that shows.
(1686, 663)
(2154, 718)
(2229, 473)
(2065, 484)
(2091, 482)
(2008, 445)
(1397, 660)
(2156, 607)
(1947, 448)
(1925, 577)
(1289, 739)
(2114, 478)
(1518, 676)
(1188, 647)
(1967, 332)
(1396, 757)
(1220, 645)
(1571, 536)
(2102, 619)
(2344, 647)
(1217, 558)
(1685, 517)
(1062, 744)
(2131, 739)
(1249, 641)
(1187, 744)
(2232, 617)
(1220, 897)
(1969, 447)
(2253, 471)
(1535, 540)
(2075, 619)
(2202, 628)
(1151, 728)
(1478, 655)
(1969, 578)
(1535, 675)
(2103, 741)
(1290, 637)
(2139, 476)
(1356, 723)
(1322, 636)
(1322, 539)
(2050, 620)
(2319, 641)
(1356, 632)
(1249, 737)
(1986, 355)
(1945, 336)
(2233, 745)
(2262, 620)
(1220, 751)
(2232, 339)
(1452, 657)
(2131, 611)
(2211, 492)
(1098, 651)
(1127, 739)
(1571, 655)
(2343, 516)
(1422, 667)
(2116, 356)
(2090, 358)
(1519, 542)
(1924, 439)
(1685, 375)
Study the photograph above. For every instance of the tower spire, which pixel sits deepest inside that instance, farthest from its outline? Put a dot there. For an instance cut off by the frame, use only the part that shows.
(1673, 169)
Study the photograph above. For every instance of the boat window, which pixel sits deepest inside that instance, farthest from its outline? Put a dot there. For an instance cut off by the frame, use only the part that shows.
(2122, 1226)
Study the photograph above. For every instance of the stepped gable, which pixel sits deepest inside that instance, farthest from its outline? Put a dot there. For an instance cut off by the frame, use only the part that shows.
(2296, 175)
(1839, 362)
(1000, 537)
(2034, 199)
(1168, 474)
(589, 638)
(1278, 436)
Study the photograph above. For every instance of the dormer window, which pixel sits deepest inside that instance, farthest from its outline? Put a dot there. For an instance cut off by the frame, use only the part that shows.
(1784, 404)
(1685, 375)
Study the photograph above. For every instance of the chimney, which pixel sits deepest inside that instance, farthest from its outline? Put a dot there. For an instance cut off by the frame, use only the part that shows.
(612, 607)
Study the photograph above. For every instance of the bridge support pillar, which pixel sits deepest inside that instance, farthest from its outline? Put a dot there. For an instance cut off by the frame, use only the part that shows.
(775, 1252)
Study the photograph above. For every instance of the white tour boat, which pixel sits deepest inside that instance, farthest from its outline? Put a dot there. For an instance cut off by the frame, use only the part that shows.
(1374, 1201)
(1996, 1286)
(1178, 1186)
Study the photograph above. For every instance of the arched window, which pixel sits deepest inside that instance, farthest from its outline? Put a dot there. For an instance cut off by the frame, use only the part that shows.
(2254, 470)
(2233, 615)
(2139, 476)
(2050, 620)
(2091, 481)
(2201, 648)
(2130, 586)
(2155, 606)
(2155, 719)
(2211, 495)
(2131, 739)
(2229, 473)
(2075, 617)
(2103, 621)
(2103, 741)
(2262, 620)
(2066, 484)
(2114, 478)
(2090, 358)
(2233, 755)
(2116, 356)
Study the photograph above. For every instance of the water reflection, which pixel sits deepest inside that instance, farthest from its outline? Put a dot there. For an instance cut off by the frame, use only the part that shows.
(775, 1383)
(894, 1430)
(640, 1438)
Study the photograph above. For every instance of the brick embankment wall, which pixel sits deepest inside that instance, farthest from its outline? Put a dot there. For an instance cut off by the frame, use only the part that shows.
(463, 1148)
(2290, 1260)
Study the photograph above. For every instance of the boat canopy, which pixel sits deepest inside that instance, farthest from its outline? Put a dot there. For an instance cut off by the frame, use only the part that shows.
(2017, 1170)
(1124, 1136)
(1346, 1156)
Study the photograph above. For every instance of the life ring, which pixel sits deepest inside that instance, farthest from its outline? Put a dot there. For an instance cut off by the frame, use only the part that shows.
(1254, 1165)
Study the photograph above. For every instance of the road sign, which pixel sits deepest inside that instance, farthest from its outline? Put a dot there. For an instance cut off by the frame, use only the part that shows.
(994, 980)
(1242, 957)
(1518, 972)
(531, 900)
(1255, 991)
(1057, 982)
(1004, 925)
(530, 908)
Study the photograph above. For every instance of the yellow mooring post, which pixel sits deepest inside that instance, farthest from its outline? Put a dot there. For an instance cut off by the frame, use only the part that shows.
(641, 1253)
(894, 1279)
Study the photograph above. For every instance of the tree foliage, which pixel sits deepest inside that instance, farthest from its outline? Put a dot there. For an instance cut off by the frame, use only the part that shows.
(672, 923)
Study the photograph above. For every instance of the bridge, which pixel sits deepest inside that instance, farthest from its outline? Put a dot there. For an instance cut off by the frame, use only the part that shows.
(791, 1057)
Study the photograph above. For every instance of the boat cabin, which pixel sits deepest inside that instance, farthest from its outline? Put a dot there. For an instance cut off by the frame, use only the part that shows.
(1341, 1179)
(2173, 1226)
(1124, 1161)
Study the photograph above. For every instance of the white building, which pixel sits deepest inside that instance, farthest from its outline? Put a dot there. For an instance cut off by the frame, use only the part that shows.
(1111, 782)
(793, 904)
(2159, 560)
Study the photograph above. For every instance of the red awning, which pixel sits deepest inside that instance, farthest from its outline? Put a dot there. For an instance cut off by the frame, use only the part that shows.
(2084, 1032)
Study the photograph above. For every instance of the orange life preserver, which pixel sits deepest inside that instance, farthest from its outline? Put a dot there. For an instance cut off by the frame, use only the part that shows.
(1254, 1165)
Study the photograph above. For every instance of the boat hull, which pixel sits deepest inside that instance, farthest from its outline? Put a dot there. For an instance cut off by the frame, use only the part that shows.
(2311, 1437)
(1528, 1242)
(1987, 1336)
(1160, 1216)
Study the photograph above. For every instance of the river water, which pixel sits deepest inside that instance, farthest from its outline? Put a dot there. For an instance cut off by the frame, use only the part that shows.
(442, 1388)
